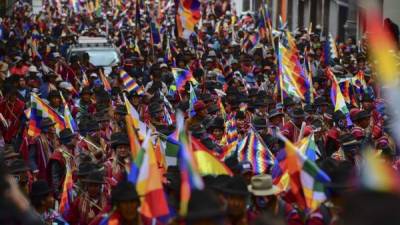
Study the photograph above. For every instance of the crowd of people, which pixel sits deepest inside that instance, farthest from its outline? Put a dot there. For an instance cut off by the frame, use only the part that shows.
(235, 88)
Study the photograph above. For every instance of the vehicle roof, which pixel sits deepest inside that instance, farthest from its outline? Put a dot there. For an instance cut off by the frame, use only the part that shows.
(79, 49)
(92, 40)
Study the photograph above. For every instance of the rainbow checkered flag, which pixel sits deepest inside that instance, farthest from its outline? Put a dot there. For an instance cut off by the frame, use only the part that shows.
(306, 178)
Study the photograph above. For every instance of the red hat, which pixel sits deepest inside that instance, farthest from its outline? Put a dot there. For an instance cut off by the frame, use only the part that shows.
(358, 133)
(199, 106)
(354, 112)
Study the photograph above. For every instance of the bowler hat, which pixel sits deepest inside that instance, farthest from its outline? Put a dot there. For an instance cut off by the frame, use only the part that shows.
(92, 126)
(235, 186)
(288, 102)
(204, 204)
(361, 115)
(124, 191)
(339, 172)
(217, 122)
(348, 142)
(66, 135)
(40, 188)
(94, 177)
(274, 113)
(119, 139)
(298, 113)
(85, 168)
(259, 123)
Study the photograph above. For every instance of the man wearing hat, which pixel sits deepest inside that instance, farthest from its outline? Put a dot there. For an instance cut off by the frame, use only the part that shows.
(201, 113)
(275, 119)
(12, 109)
(362, 124)
(338, 129)
(62, 157)
(94, 142)
(217, 130)
(41, 197)
(55, 101)
(118, 122)
(103, 118)
(85, 104)
(235, 192)
(91, 201)
(48, 84)
(205, 207)
(349, 150)
(124, 205)
(293, 127)
(42, 147)
(156, 85)
(115, 167)
(265, 198)
(23, 89)
(20, 171)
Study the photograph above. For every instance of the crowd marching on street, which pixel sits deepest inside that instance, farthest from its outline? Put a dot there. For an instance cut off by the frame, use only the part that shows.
(163, 112)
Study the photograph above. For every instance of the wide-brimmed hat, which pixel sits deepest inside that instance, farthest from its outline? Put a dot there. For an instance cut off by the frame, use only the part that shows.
(46, 123)
(361, 115)
(204, 204)
(235, 186)
(85, 168)
(349, 142)
(340, 173)
(216, 123)
(261, 185)
(119, 139)
(9, 152)
(94, 177)
(66, 135)
(297, 113)
(259, 123)
(288, 102)
(92, 126)
(40, 188)
(18, 166)
(274, 113)
(124, 191)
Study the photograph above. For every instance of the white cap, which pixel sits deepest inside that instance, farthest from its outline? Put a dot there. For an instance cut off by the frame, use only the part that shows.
(33, 69)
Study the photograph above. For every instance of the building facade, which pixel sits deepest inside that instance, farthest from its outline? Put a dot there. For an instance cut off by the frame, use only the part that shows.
(340, 18)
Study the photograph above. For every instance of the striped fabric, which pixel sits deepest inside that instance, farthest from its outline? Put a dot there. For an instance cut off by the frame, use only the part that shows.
(40, 110)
